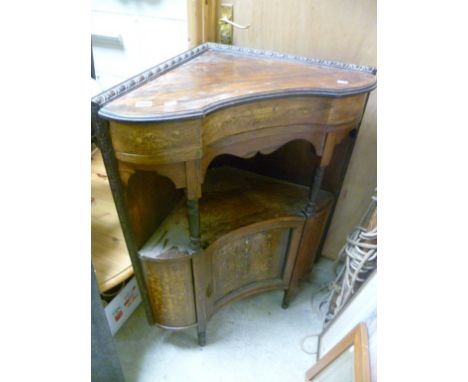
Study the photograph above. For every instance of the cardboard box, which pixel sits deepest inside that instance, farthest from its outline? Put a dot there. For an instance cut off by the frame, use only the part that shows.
(123, 305)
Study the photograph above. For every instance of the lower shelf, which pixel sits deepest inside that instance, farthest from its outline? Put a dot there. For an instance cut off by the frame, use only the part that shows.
(231, 199)
(252, 230)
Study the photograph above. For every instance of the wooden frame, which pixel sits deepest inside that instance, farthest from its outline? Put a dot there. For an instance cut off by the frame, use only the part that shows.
(201, 20)
(194, 23)
(357, 338)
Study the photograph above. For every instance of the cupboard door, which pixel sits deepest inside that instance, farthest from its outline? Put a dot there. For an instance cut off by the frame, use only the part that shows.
(251, 260)
(170, 288)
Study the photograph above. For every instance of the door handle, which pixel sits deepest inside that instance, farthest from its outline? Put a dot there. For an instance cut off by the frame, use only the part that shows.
(226, 25)
(224, 19)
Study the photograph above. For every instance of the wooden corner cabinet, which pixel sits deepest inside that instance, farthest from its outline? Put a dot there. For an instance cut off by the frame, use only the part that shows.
(216, 161)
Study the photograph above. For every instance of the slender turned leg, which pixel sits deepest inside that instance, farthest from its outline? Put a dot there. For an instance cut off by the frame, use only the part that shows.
(194, 226)
(202, 336)
(309, 211)
(194, 223)
(311, 206)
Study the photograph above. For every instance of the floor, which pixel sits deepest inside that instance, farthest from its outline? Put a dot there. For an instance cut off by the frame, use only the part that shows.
(250, 340)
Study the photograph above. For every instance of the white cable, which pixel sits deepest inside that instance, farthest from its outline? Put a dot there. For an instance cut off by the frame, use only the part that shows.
(360, 259)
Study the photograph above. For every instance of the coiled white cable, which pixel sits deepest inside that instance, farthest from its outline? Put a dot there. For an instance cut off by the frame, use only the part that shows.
(360, 260)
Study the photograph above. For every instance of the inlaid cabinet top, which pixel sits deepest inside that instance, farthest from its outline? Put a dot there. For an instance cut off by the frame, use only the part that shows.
(212, 76)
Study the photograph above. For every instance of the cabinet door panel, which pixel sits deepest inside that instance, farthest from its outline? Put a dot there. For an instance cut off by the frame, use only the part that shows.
(250, 260)
(170, 288)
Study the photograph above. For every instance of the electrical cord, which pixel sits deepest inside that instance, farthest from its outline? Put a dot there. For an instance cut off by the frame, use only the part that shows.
(359, 256)
(360, 259)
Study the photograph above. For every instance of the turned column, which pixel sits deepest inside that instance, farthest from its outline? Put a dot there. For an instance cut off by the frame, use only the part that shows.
(193, 194)
(310, 210)
(311, 207)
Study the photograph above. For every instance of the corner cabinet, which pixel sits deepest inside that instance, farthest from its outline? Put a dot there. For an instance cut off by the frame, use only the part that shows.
(191, 148)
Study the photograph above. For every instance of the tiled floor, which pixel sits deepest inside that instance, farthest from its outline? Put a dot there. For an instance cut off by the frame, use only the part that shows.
(250, 340)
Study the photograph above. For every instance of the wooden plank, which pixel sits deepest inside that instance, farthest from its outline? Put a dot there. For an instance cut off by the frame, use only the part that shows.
(329, 29)
(209, 20)
(194, 22)
(109, 253)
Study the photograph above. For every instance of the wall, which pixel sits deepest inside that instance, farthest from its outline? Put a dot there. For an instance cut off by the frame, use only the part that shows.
(343, 30)
(151, 31)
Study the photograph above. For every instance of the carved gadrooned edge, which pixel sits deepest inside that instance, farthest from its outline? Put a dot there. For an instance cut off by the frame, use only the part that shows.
(168, 65)
(150, 74)
(291, 57)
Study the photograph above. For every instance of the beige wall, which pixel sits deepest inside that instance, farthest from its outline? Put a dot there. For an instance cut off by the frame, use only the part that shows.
(343, 30)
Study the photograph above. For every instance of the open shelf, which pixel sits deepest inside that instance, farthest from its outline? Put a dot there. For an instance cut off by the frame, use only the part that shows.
(231, 199)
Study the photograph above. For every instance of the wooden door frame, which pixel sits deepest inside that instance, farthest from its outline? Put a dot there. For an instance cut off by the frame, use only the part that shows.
(201, 20)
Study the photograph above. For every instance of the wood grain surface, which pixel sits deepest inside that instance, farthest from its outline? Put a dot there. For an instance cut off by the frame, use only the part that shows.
(171, 293)
(251, 260)
(312, 232)
(109, 253)
(232, 199)
(150, 197)
(214, 79)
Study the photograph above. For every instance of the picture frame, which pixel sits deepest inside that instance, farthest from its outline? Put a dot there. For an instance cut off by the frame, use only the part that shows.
(346, 361)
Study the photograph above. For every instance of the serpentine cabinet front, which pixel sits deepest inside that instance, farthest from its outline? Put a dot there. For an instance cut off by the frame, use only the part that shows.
(181, 143)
